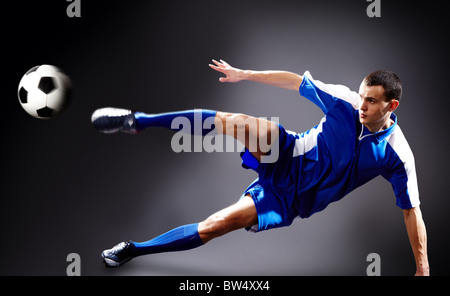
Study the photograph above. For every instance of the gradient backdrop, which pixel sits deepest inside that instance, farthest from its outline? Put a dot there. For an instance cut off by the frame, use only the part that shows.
(68, 189)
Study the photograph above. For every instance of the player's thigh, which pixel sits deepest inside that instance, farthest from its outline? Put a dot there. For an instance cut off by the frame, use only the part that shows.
(257, 134)
(239, 215)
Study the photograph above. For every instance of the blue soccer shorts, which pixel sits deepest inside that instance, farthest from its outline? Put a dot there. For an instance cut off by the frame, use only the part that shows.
(273, 208)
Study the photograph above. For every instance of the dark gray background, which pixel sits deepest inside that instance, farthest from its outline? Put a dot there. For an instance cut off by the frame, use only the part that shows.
(67, 188)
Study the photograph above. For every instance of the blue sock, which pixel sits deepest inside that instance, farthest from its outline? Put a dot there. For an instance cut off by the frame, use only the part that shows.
(179, 239)
(195, 118)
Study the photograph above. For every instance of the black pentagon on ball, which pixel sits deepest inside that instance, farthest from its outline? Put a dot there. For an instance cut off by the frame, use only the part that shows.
(23, 95)
(46, 84)
(45, 112)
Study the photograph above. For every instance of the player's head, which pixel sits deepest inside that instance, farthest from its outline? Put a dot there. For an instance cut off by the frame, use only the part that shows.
(388, 80)
(380, 93)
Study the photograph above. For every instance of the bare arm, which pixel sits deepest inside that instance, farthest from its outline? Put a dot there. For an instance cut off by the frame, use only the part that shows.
(281, 79)
(418, 238)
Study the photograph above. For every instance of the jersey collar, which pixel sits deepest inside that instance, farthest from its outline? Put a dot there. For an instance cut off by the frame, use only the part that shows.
(381, 135)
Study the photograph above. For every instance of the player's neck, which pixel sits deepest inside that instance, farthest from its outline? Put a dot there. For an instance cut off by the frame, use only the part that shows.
(379, 126)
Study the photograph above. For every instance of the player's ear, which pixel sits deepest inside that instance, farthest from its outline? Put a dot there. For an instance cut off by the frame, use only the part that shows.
(393, 105)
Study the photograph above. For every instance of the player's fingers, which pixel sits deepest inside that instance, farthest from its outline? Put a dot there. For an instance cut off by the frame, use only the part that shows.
(225, 63)
(216, 68)
(217, 63)
(220, 64)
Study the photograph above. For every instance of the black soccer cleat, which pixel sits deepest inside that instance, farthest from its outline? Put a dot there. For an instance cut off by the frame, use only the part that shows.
(118, 255)
(111, 120)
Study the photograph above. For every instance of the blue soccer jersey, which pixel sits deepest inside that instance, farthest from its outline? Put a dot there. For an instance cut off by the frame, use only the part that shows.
(324, 164)
(347, 154)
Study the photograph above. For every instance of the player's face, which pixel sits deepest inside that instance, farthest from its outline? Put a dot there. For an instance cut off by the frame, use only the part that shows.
(374, 111)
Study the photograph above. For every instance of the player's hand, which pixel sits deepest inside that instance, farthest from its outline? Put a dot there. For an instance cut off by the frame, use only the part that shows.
(231, 74)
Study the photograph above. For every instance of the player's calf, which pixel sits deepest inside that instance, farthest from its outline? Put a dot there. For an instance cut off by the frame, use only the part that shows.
(239, 215)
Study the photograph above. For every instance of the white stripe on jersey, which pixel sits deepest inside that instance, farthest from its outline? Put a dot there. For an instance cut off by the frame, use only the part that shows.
(400, 145)
(338, 91)
(308, 141)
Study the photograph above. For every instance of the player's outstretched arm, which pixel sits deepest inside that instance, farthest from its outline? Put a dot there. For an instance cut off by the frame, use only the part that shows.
(281, 79)
(418, 238)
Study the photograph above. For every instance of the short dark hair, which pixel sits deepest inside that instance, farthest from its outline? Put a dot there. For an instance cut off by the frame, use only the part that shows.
(388, 80)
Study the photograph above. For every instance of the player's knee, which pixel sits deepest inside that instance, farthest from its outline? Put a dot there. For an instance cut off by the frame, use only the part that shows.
(214, 226)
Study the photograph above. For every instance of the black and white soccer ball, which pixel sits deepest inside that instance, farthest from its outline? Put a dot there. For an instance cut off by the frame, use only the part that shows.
(44, 91)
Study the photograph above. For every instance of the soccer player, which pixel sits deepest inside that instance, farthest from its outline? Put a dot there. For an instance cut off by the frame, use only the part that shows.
(357, 140)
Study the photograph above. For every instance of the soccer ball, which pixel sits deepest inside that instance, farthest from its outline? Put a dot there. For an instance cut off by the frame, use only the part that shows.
(44, 91)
